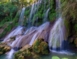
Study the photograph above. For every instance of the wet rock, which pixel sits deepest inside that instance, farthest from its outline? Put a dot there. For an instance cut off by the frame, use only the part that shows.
(25, 47)
(12, 38)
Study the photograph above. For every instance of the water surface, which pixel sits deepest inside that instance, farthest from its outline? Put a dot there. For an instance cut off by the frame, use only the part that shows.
(51, 56)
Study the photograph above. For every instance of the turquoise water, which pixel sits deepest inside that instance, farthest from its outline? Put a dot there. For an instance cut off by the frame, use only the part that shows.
(50, 56)
(3, 57)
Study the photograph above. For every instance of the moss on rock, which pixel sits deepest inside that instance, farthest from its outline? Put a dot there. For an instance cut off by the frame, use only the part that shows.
(4, 48)
(39, 47)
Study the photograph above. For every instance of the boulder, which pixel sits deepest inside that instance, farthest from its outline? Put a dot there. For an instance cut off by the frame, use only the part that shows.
(40, 47)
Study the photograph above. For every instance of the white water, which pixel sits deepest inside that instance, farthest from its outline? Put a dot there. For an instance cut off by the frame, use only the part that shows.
(62, 52)
(17, 31)
(21, 19)
(40, 29)
(10, 54)
(57, 34)
(30, 30)
(30, 35)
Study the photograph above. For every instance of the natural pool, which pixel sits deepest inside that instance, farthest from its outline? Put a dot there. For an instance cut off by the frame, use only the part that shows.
(51, 56)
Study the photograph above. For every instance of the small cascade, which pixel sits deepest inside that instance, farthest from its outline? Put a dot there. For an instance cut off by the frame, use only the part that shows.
(57, 35)
(31, 35)
(46, 15)
(10, 54)
(21, 19)
(17, 31)
(34, 8)
(41, 32)
(30, 30)
(24, 38)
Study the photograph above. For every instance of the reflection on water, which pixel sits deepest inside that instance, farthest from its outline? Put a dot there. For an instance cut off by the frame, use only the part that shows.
(51, 56)
(59, 56)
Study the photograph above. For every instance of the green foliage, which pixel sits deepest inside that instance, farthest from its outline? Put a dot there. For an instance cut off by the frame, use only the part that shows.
(52, 15)
(7, 9)
(8, 14)
(40, 47)
(9, 25)
(69, 8)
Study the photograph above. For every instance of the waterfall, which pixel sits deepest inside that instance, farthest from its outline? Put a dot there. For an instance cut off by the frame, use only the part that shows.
(34, 8)
(15, 33)
(19, 29)
(57, 36)
(39, 33)
(46, 15)
(10, 54)
(21, 19)
(31, 35)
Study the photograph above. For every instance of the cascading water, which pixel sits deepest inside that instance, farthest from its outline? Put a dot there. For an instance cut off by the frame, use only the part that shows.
(34, 8)
(57, 36)
(46, 15)
(19, 29)
(31, 35)
(17, 32)
(10, 54)
(21, 19)
(39, 32)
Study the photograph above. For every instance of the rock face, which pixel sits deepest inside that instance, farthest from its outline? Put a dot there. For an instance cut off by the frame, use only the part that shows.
(40, 47)
(4, 48)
